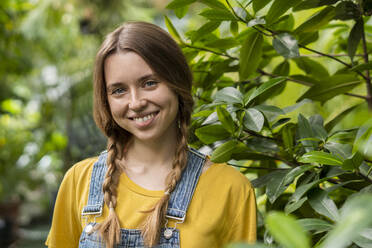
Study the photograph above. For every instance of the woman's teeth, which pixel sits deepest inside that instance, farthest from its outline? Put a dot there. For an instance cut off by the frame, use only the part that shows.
(144, 118)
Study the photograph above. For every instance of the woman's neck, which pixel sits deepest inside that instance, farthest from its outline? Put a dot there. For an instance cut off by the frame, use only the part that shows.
(143, 156)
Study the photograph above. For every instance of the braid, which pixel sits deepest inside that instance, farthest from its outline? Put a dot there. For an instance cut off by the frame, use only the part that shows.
(156, 219)
(110, 227)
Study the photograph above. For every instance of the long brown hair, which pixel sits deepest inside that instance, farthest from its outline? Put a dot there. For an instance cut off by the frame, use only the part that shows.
(165, 58)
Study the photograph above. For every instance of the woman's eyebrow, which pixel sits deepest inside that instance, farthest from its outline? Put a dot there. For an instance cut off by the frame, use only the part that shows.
(139, 80)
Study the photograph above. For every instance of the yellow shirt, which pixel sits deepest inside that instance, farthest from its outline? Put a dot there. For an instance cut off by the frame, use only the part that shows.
(222, 210)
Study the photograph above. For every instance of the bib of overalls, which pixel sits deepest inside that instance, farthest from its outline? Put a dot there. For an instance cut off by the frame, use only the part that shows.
(177, 206)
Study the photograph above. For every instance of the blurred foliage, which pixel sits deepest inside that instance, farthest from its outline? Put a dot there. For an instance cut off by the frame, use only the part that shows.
(283, 92)
(47, 49)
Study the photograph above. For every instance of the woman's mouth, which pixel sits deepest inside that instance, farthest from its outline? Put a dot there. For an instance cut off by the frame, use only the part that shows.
(146, 120)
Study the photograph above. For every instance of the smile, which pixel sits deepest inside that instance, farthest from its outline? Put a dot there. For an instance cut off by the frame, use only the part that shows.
(144, 120)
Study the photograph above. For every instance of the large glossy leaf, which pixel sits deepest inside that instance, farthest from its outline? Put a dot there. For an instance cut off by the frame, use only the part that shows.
(353, 162)
(226, 119)
(224, 44)
(323, 204)
(292, 206)
(331, 87)
(362, 67)
(250, 55)
(259, 4)
(229, 95)
(172, 30)
(320, 157)
(218, 15)
(282, 69)
(223, 152)
(309, 4)
(276, 186)
(207, 28)
(355, 36)
(263, 88)
(317, 225)
(278, 8)
(286, 45)
(318, 20)
(287, 133)
(283, 227)
(312, 67)
(175, 4)
(216, 4)
(253, 120)
(305, 131)
(336, 119)
(269, 111)
(211, 133)
(355, 217)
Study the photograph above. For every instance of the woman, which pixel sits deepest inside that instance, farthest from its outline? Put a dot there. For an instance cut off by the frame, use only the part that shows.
(149, 188)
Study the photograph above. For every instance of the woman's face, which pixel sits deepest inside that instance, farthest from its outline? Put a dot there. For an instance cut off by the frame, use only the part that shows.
(140, 102)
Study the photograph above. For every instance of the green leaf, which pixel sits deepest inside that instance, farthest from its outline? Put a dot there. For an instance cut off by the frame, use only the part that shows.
(278, 8)
(309, 4)
(224, 152)
(336, 119)
(305, 131)
(301, 190)
(320, 157)
(269, 111)
(259, 4)
(234, 28)
(256, 21)
(287, 133)
(226, 119)
(317, 225)
(181, 12)
(211, 133)
(290, 207)
(286, 45)
(225, 43)
(354, 38)
(216, 4)
(282, 69)
(250, 55)
(276, 186)
(218, 15)
(253, 119)
(322, 204)
(229, 95)
(283, 227)
(266, 87)
(295, 172)
(362, 67)
(207, 28)
(175, 4)
(308, 37)
(331, 87)
(355, 217)
(172, 30)
(318, 20)
(354, 162)
(312, 67)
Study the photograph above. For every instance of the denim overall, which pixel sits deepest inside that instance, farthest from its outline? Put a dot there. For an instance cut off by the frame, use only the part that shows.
(178, 203)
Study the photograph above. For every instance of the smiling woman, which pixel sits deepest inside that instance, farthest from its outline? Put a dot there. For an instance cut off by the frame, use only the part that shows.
(149, 189)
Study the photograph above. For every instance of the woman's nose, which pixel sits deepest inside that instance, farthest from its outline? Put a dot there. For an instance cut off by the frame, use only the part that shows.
(137, 102)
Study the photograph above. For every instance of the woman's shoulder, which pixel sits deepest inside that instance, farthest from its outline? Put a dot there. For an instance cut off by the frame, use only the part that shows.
(224, 174)
(81, 169)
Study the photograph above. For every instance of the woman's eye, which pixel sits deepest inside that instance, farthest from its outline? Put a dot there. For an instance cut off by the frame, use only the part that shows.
(150, 83)
(118, 91)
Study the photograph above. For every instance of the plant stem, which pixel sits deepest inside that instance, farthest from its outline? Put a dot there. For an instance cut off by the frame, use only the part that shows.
(368, 77)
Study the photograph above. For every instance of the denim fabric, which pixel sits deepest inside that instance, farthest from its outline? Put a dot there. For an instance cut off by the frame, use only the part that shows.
(179, 201)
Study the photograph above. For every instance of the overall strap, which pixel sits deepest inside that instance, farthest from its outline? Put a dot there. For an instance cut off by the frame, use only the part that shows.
(181, 196)
(95, 197)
